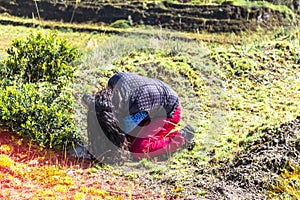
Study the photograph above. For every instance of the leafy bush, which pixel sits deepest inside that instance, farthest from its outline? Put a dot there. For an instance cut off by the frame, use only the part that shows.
(40, 58)
(36, 100)
(39, 112)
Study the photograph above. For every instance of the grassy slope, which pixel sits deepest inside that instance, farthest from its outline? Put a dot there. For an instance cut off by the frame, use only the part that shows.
(225, 97)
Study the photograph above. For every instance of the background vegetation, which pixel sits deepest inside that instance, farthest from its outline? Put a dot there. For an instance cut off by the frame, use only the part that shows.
(36, 97)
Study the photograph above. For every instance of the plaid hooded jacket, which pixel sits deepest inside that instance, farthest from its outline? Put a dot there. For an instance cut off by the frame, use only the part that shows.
(134, 93)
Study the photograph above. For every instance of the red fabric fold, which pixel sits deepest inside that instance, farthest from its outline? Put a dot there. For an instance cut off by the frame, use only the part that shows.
(158, 137)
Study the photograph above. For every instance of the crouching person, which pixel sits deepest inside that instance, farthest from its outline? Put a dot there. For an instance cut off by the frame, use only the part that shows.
(143, 113)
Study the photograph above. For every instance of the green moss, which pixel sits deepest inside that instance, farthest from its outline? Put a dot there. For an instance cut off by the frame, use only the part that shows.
(120, 24)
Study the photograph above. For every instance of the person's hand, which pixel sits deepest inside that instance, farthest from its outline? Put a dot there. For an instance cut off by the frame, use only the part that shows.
(87, 101)
(145, 121)
(188, 133)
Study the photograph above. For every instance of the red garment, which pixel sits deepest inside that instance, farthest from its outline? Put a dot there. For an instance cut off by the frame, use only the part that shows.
(157, 137)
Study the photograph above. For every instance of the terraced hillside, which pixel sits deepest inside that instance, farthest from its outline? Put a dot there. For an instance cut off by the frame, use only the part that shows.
(178, 16)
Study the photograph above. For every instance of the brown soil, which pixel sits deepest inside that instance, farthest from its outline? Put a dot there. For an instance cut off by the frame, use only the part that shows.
(184, 17)
(253, 171)
(24, 151)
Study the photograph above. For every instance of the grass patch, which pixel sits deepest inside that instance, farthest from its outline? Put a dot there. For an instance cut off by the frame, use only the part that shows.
(288, 184)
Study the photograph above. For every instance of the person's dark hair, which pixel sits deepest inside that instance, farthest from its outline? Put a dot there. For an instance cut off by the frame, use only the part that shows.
(114, 80)
(107, 142)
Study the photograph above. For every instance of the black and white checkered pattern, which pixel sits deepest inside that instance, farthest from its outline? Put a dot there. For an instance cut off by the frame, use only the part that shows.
(134, 93)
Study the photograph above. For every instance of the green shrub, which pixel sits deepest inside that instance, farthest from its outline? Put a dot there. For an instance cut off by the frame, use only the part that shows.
(36, 99)
(39, 58)
(39, 112)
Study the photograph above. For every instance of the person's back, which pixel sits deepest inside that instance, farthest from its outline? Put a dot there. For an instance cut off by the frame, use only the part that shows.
(133, 93)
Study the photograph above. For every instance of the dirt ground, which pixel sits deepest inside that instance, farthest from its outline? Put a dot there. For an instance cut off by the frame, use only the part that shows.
(21, 150)
(253, 170)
